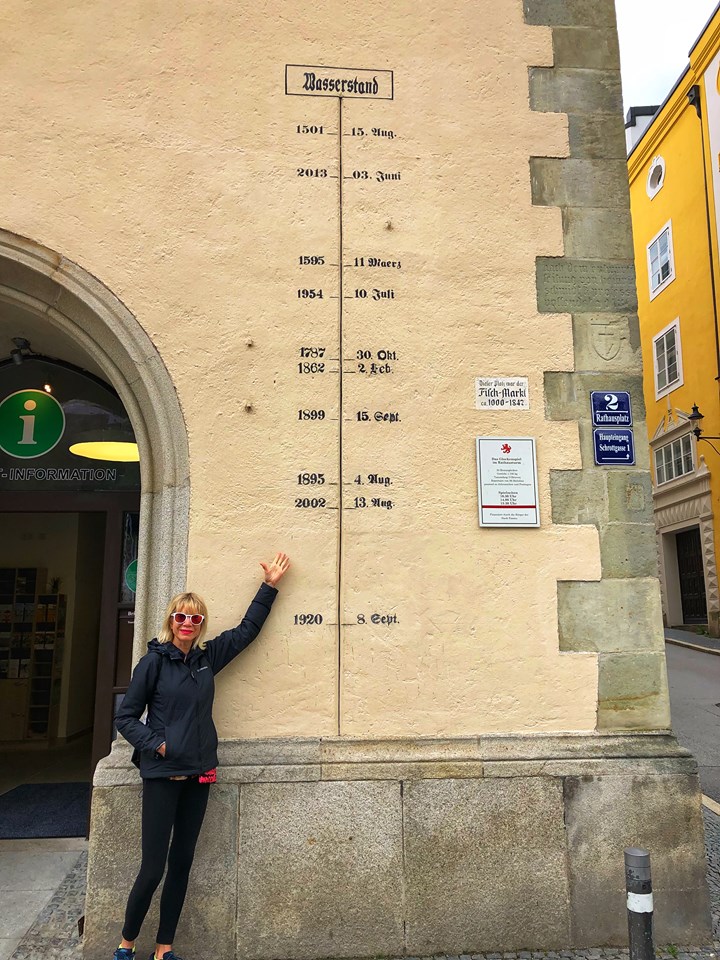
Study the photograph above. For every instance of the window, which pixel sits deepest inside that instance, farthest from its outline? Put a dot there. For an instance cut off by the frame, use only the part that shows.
(667, 357)
(656, 177)
(661, 266)
(673, 460)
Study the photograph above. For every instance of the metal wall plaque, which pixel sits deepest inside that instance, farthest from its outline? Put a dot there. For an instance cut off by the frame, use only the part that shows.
(611, 408)
(614, 447)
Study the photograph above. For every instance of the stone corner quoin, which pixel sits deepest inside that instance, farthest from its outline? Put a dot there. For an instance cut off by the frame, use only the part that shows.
(595, 282)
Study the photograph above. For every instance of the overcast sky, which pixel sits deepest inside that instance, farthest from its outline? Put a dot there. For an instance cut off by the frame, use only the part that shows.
(655, 38)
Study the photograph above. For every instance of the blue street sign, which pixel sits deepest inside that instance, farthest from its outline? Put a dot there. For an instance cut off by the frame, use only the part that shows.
(611, 408)
(614, 447)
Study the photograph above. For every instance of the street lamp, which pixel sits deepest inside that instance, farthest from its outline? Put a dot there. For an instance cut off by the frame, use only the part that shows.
(695, 417)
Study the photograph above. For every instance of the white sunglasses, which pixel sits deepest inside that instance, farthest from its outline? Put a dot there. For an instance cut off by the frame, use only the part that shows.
(195, 618)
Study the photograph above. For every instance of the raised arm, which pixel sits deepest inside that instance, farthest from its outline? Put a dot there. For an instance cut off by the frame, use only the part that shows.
(224, 648)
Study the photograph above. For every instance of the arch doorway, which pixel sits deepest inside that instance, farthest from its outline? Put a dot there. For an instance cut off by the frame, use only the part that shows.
(91, 548)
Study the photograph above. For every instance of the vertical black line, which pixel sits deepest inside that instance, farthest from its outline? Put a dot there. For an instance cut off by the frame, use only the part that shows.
(340, 422)
(697, 104)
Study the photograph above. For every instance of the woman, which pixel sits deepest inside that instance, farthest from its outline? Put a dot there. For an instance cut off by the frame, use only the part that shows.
(176, 749)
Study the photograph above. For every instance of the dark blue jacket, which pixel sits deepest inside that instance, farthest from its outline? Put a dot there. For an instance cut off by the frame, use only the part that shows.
(178, 692)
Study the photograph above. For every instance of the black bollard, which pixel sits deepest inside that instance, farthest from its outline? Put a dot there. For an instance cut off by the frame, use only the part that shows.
(639, 904)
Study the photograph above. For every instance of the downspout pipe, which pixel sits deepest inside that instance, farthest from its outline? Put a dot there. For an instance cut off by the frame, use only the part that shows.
(694, 99)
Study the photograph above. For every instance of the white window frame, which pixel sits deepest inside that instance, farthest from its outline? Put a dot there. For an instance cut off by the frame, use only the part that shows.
(655, 291)
(658, 163)
(678, 382)
(658, 452)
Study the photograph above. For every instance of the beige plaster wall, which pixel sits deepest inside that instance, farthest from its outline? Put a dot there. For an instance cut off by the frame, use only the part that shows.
(155, 146)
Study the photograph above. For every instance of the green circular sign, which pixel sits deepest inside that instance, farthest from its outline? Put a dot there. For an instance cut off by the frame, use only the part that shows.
(31, 424)
(131, 576)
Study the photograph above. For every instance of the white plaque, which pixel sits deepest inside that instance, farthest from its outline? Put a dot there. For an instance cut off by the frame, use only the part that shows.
(507, 482)
(502, 393)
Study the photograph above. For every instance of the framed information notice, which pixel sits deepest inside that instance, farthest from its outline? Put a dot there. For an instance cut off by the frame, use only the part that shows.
(507, 482)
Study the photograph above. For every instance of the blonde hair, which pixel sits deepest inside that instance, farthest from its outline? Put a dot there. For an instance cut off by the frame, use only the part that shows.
(188, 603)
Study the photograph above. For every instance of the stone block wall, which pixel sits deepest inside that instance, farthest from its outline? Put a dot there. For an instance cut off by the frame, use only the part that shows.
(619, 616)
(335, 848)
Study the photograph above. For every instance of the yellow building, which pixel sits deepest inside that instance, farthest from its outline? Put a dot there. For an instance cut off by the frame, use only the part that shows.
(675, 200)
(348, 275)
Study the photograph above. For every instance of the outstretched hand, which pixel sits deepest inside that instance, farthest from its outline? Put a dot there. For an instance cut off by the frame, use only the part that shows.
(276, 569)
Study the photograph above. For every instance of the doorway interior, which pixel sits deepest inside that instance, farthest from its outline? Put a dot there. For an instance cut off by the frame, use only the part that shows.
(69, 533)
(66, 631)
(691, 576)
(51, 308)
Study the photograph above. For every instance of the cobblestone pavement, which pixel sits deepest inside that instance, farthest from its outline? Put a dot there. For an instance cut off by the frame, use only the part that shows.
(54, 935)
(712, 853)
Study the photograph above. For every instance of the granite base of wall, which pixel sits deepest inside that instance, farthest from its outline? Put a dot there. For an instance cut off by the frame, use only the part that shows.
(337, 848)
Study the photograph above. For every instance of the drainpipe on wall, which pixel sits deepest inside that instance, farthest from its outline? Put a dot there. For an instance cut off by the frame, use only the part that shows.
(695, 101)
(694, 98)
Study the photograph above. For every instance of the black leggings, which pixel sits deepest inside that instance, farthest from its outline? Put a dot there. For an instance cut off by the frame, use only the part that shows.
(177, 805)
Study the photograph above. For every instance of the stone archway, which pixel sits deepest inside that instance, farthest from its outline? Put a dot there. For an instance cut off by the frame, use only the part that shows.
(78, 304)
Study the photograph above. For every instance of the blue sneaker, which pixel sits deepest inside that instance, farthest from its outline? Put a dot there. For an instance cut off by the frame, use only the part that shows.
(124, 953)
(168, 955)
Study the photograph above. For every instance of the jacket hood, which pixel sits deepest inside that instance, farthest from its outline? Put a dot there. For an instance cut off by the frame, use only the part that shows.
(170, 651)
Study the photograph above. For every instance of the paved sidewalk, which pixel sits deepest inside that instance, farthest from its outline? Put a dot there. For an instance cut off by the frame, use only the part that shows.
(686, 638)
(54, 933)
(33, 873)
